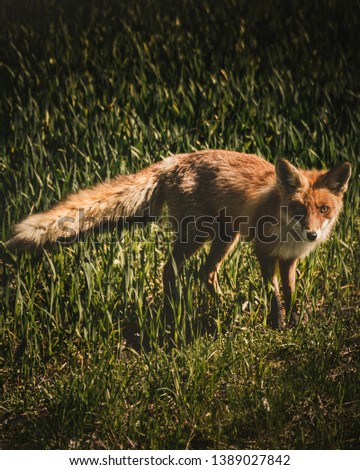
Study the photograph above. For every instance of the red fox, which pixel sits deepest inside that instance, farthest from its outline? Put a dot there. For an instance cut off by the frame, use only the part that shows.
(215, 195)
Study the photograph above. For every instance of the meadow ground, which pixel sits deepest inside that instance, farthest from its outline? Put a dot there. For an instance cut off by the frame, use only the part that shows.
(91, 89)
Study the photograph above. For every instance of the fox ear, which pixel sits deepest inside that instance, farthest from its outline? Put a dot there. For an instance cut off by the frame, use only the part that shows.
(337, 179)
(287, 175)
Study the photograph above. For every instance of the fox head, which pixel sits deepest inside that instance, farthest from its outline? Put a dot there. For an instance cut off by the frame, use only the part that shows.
(312, 198)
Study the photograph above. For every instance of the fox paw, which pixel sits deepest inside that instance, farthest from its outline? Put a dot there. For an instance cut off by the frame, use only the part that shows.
(297, 318)
(276, 322)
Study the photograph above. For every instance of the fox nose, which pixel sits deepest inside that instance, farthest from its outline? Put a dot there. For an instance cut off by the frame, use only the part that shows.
(311, 236)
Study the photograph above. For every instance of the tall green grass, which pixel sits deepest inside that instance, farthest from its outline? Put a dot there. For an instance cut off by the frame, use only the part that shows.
(92, 89)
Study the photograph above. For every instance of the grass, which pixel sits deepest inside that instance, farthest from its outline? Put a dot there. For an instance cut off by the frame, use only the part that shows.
(92, 89)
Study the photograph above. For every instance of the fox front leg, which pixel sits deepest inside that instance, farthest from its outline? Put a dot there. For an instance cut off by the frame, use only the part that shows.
(288, 279)
(268, 268)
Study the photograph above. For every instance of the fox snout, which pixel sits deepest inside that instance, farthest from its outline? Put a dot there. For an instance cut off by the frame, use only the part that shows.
(310, 228)
(311, 235)
(317, 229)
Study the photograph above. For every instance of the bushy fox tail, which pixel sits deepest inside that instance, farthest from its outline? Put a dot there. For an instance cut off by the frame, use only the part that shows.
(126, 196)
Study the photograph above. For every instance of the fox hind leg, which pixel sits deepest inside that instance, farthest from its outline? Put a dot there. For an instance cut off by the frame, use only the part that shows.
(218, 251)
(181, 251)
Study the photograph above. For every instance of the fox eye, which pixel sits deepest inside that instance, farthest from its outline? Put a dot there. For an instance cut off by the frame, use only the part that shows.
(299, 209)
(324, 209)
